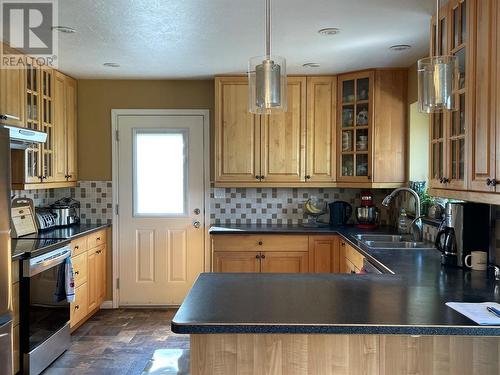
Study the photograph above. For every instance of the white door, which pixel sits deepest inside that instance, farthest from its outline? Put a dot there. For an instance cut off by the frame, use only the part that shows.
(160, 197)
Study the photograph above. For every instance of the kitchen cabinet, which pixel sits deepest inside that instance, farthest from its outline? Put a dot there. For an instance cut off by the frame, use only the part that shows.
(49, 105)
(321, 130)
(12, 93)
(324, 254)
(65, 119)
(89, 265)
(260, 253)
(256, 149)
(372, 128)
(239, 261)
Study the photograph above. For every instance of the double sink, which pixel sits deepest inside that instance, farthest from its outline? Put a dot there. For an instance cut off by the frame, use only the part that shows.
(387, 241)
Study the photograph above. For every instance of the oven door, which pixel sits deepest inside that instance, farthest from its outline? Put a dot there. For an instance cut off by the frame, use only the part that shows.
(46, 312)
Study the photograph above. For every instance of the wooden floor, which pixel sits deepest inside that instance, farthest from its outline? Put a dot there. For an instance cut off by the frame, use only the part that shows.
(123, 342)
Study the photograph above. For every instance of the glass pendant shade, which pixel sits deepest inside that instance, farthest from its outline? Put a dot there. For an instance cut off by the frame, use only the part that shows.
(267, 85)
(437, 81)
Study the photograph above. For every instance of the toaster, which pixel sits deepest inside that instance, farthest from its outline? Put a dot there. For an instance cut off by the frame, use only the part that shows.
(45, 219)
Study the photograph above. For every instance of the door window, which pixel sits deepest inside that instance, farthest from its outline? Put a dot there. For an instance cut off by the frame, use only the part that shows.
(160, 172)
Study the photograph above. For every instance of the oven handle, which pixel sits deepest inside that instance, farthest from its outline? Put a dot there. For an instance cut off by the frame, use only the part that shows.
(33, 267)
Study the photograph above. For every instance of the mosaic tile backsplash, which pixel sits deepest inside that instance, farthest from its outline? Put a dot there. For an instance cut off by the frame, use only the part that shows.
(281, 205)
(95, 197)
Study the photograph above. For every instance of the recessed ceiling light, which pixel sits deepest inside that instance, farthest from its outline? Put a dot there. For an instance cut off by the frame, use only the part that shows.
(329, 31)
(111, 65)
(399, 47)
(311, 65)
(64, 29)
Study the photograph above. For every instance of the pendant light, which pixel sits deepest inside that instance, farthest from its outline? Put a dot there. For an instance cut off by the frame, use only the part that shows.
(267, 78)
(437, 79)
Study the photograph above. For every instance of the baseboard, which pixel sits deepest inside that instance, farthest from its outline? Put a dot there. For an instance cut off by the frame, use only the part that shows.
(107, 304)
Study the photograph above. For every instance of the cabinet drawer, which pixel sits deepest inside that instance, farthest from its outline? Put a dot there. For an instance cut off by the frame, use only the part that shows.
(15, 304)
(80, 269)
(260, 243)
(79, 246)
(15, 272)
(96, 239)
(78, 309)
(354, 257)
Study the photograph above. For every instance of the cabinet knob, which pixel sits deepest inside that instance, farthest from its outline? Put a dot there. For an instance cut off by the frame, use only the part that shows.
(491, 182)
(260, 243)
(262, 256)
(77, 272)
(262, 177)
(308, 177)
(257, 256)
(257, 178)
(353, 271)
(77, 307)
(369, 177)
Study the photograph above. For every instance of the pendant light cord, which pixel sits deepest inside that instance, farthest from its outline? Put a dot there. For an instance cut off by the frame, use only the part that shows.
(438, 22)
(268, 28)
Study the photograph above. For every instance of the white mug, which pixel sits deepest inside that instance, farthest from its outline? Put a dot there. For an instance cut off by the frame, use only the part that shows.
(478, 260)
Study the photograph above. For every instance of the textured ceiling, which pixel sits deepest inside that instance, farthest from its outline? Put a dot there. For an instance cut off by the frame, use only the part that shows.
(160, 39)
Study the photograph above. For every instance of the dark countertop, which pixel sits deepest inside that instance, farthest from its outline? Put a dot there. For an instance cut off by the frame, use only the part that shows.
(410, 301)
(39, 243)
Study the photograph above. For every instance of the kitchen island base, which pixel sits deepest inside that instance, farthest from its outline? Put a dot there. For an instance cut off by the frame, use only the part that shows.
(318, 354)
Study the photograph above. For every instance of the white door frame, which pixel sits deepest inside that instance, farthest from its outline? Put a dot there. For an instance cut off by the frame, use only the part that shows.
(115, 114)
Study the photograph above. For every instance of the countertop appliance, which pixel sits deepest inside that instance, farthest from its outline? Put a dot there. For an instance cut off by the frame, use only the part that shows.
(367, 215)
(66, 212)
(340, 213)
(10, 137)
(45, 219)
(45, 332)
(465, 228)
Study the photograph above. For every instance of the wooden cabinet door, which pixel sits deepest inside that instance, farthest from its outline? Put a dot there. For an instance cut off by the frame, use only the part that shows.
(389, 131)
(355, 124)
(101, 274)
(324, 254)
(79, 308)
(71, 129)
(321, 129)
(60, 129)
(80, 269)
(283, 138)
(93, 279)
(229, 261)
(237, 133)
(47, 122)
(13, 93)
(483, 83)
(285, 262)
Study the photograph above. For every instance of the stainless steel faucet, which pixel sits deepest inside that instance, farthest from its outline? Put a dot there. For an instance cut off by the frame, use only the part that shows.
(416, 225)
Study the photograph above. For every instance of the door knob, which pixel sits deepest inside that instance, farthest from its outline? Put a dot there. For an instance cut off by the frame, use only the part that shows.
(196, 224)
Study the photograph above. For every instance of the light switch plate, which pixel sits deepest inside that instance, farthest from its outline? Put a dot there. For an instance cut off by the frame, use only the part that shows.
(219, 193)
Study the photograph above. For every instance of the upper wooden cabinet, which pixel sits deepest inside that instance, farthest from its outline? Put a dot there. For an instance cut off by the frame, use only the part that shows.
(299, 147)
(372, 129)
(49, 99)
(464, 144)
(321, 130)
(12, 93)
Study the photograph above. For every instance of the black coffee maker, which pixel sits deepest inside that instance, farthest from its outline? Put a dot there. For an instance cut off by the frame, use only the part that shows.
(465, 228)
(340, 213)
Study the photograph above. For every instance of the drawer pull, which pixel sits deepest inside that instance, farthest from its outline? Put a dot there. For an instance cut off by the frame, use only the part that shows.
(77, 247)
(77, 272)
(77, 307)
(98, 238)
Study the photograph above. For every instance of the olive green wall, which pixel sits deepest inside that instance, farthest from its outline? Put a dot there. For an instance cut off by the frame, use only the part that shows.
(96, 99)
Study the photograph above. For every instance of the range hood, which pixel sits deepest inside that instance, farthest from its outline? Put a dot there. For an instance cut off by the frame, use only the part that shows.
(21, 138)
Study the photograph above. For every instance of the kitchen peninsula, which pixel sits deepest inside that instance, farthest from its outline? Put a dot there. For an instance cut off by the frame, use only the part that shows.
(392, 323)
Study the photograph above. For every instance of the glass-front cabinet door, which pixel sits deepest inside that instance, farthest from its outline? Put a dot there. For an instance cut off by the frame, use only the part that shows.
(457, 120)
(33, 172)
(355, 119)
(47, 121)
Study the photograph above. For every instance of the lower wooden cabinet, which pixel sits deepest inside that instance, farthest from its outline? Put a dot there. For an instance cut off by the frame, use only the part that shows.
(79, 308)
(284, 262)
(236, 261)
(324, 254)
(89, 265)
(284, 253)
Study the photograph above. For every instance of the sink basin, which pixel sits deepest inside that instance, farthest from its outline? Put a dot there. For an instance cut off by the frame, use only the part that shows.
(387, 241)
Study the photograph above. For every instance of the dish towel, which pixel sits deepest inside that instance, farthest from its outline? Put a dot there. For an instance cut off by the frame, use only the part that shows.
(65, 285)
(69, 280)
